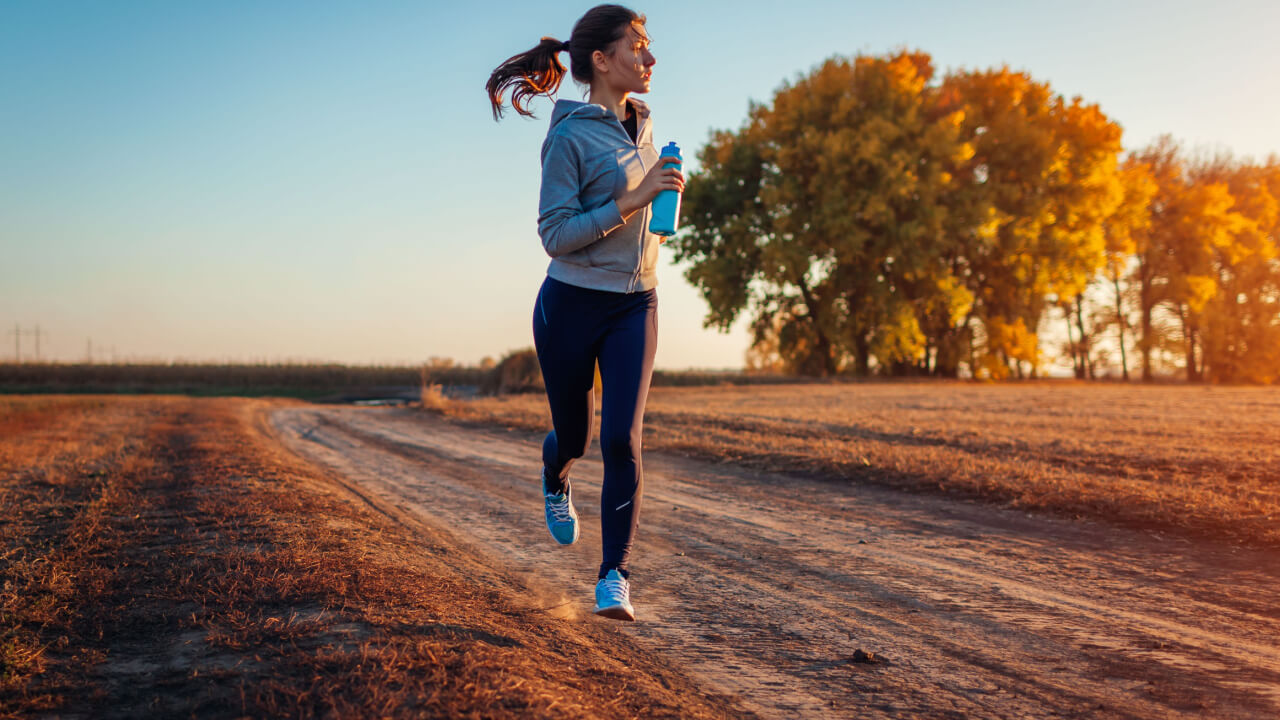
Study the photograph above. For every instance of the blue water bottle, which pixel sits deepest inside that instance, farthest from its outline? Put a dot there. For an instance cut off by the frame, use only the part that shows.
(666, 207)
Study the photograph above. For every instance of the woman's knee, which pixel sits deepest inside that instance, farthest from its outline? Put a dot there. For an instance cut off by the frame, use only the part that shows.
(620, 445)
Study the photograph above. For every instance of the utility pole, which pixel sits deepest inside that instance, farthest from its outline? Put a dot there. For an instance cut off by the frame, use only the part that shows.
(17, 332)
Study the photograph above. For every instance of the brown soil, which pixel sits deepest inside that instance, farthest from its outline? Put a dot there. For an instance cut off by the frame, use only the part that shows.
(163, 557)
(805, 597)
(1198, 461)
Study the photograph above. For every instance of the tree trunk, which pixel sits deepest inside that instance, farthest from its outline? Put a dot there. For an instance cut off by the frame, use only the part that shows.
(973, 360)
(1033, 365)
(1189, 343)
(946, 353)
(824, 343)
(824, 351)
(1076, 369)
(1193, 358)
(862, 355)
(1124, 360)
(1148, 306)
(1086, 359)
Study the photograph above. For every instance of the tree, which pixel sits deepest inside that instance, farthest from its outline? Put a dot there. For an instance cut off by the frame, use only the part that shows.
(1153, 265)
(1132, 216)
(1045, 169)
(872, 219)
(516, 372)
(1241, 322)
(825, 218)
(1203, 223)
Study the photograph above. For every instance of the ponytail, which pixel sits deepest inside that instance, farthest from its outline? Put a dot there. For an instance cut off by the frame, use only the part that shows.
(539, 71)
(536, 72)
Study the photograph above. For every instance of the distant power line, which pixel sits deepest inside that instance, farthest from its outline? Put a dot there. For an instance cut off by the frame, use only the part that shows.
(17, 332)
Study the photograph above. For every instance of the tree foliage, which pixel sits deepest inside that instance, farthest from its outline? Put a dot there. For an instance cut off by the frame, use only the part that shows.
(824, 218)
(874, 217)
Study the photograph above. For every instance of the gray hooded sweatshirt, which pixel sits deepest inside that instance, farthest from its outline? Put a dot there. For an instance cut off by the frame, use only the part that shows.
(588, 160)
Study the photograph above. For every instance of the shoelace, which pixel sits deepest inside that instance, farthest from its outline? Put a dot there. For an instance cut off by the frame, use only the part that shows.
(617, 589)
(559, 506)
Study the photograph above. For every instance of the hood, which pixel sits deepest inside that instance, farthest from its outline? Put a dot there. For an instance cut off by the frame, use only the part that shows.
(566, 108)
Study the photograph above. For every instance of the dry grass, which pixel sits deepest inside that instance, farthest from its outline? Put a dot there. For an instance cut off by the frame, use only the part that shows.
(206, 379)
(161, 557)
(433, 398)
(1199, 460)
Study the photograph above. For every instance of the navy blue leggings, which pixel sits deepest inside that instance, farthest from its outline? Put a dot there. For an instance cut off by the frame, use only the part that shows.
(573, 327)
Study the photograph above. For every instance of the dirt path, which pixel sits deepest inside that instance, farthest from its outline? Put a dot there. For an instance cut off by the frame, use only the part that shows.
(764, 586)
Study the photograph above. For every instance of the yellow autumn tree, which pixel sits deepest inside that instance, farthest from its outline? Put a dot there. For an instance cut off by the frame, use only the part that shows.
(1131, 217)
(1153, 264)
(1045, 170)
(871, 218)
(1203, 225)
(1240, 323)
(824, 217)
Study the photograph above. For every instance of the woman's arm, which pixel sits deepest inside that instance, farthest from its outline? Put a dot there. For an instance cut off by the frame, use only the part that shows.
(562, 223)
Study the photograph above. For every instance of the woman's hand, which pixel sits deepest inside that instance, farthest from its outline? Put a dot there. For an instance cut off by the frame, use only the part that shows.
(655, 181)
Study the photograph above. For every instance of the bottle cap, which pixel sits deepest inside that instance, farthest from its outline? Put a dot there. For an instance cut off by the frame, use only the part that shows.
(672, 150)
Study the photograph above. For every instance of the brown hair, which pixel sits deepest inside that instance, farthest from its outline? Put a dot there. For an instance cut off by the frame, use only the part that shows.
(539, 72)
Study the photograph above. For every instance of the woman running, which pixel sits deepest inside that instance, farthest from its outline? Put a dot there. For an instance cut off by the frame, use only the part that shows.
(598, 303)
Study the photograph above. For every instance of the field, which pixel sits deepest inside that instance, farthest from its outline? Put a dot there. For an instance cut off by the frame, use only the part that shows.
(873, 550)
(812, 594)
(164, 557)
(321, 382)
(310, 381)
(1197, 460)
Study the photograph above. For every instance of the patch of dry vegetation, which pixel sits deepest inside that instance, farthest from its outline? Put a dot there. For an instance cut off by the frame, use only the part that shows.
(287, 379)
(161, 557)
(1200, 460)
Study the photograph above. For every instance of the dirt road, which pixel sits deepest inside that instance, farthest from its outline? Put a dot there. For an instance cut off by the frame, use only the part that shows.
(765, 586)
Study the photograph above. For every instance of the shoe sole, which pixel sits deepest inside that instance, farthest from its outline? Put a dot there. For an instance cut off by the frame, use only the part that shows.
(617, 612)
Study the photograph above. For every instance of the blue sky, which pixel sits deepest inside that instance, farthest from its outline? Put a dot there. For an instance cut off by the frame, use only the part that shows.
(271, 181)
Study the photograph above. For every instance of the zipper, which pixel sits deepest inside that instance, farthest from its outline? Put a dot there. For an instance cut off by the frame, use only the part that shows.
(635, 276)
(644, 218)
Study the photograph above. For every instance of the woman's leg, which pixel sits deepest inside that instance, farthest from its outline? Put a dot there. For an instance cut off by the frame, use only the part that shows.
(626, 366)
(567, 358)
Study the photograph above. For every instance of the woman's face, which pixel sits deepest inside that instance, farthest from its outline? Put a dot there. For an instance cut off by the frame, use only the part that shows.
(630, 64)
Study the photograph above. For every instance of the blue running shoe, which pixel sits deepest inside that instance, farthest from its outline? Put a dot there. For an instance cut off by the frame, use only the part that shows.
(613, 597)
(562, 519)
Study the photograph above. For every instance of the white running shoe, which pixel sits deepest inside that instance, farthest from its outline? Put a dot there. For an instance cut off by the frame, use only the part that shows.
(613, 597)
